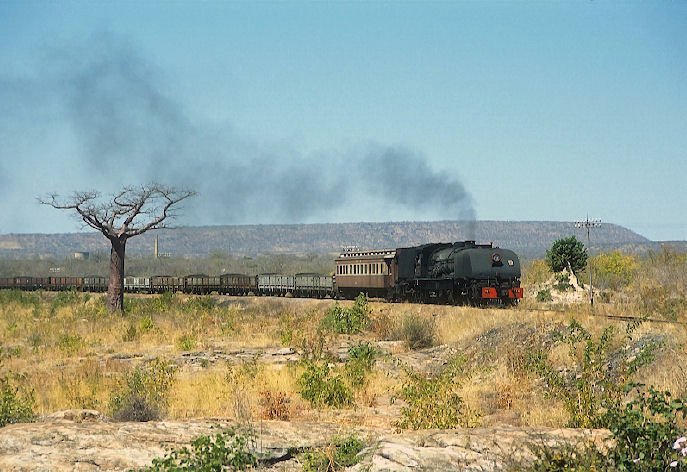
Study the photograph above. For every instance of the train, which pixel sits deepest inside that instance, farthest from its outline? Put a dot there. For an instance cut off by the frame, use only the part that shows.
(455, 273)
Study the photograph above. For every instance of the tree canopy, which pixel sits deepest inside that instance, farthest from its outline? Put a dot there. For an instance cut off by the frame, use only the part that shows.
(567, 252)
(129, 212)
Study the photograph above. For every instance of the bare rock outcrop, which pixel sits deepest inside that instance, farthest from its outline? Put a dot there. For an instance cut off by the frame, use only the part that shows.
(82, 440)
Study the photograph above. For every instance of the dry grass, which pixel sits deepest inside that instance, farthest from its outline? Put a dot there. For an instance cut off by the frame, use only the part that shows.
(73, 353)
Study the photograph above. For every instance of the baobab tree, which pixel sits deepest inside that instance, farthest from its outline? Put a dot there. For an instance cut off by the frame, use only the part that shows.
(129, 212)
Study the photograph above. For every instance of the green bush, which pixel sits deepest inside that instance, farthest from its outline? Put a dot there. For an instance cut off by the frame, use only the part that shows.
(21, 298)
(566, 252)
(227, 450)
(645, 433)
(645, 430)
(342, 452)
(70, 344)
(596, 384)
(143, 394)
(186, 342)
(66, 298)
(348, 320)
(562, 283)
(614, 270)
(321, 387)
(433, 402)
(544, 296)
(361, 360)
(16, 402)
(199, 304)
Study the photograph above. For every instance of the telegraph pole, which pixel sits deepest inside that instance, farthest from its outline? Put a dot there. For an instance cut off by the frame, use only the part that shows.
(589, 224)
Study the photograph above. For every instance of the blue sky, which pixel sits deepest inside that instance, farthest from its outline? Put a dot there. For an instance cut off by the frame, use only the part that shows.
(295, 112)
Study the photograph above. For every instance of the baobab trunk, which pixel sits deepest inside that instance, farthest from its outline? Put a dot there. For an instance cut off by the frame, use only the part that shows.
(115, 289)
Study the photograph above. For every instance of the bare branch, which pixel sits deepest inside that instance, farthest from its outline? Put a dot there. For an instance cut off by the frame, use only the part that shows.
(129, 212)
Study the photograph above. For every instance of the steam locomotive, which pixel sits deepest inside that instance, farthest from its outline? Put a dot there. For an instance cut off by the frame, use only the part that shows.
(453, 273)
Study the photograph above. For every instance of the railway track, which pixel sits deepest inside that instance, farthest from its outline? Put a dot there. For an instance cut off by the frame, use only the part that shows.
(614, 317)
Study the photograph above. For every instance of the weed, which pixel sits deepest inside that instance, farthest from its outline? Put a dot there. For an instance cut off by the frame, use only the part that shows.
(544, 296)
(275, 405)
(562, 282)
(186, 342)
(597, 383)
(227, 450)
(202, 304)
(361, 359)
(313, 344)
(16, 401)
(321, 387)
(66, 298)
(146, 324)
(131, 333)
(143, 394)
(418, 332)
(647, 433)
(348, 320)
(81, 389)
(433, 402)
(341, 452)
(35, 340)
(70, 344)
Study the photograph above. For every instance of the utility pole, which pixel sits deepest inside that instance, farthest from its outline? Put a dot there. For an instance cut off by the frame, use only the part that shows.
(589, 224)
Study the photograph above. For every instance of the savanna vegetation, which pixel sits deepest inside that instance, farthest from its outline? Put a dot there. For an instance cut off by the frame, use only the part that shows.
(551, 361)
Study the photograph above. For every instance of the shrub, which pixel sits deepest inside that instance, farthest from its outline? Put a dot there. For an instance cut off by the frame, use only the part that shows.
(70, 343)
(321, 387)
(21, 298)
(596, 384)
(186, 342)
(16, 401)
(348, 320)
(275, 405)
(646, 435)
(544, 296)
(342, 452)
(645, 430)
(562, 283)
(143, 393)
(131, 333)
(535, 272)
(566, 252)
(614, 270)
(418, 332)
(66, 298)
(201, 304)
(227, 450)
(361, 359)
(433, 402)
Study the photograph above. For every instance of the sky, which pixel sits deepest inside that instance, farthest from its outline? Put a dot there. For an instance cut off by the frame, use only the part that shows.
(321, 112)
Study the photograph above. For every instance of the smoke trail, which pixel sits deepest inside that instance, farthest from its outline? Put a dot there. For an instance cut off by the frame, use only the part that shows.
(129, 131)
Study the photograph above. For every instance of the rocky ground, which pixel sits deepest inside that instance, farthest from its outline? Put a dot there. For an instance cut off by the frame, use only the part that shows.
(86, 440)
(83, 440)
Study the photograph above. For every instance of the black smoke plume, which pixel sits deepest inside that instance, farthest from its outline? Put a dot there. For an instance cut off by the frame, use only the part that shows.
(127, 130)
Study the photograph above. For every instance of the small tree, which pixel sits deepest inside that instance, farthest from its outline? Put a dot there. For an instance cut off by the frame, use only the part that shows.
(566, 252)
(130, 212)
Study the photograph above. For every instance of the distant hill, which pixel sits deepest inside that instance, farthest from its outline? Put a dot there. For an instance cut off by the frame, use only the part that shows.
(528, 238)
